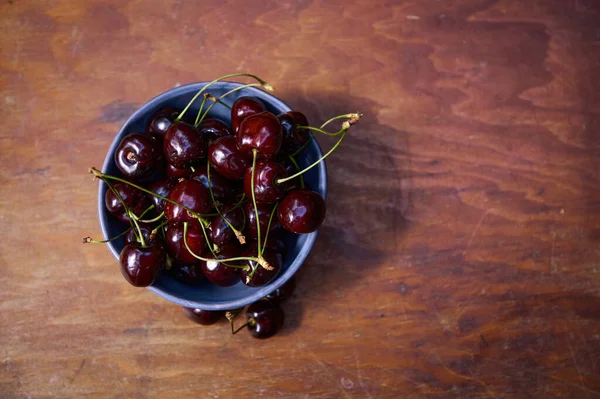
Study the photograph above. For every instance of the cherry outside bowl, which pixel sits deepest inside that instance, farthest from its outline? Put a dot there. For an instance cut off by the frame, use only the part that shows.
(209, 296)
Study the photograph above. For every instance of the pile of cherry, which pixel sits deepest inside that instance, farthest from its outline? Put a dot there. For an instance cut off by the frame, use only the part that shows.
(209, 201)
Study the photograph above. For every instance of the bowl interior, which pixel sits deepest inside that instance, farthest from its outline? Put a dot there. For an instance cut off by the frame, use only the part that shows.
(207, 295)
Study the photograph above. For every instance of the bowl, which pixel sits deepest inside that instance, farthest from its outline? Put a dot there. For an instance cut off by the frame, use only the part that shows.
(207, 295)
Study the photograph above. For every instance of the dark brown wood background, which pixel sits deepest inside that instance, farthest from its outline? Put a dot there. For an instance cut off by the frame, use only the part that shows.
(460, 256)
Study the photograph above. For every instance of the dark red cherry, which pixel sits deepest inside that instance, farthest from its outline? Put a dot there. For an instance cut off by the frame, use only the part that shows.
(138, 155)
(227, 159)
(214, 128)
(191, 194)
(242, 108)
(160, 122)
(173, 172)
(184, 145)
(261, 132)
(265, 319)
(203, 317)
(219, 273)
(223, 189)
(161, 187)
(293, 137)
(262, 276)
(301, 211)
(140, 266)
(189, 274)
(219, 231)
(132, 238)
(175, 245)
(264, 213)
(266, 188)
(135, 200)
(284, 292)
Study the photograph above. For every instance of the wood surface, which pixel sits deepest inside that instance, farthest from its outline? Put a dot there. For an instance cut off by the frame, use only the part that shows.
(460, 255)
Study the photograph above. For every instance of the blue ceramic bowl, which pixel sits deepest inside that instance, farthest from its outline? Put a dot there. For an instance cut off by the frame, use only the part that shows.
(209, 296)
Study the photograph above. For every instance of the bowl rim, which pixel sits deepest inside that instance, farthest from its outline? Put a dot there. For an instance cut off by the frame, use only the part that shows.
(260, 292)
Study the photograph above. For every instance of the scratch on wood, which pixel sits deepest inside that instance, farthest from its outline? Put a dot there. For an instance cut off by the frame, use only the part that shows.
(553, 268)
(483, 340)
(474, 233)
(575, 362)
(78, 371)
(356, 359)
(466, 377)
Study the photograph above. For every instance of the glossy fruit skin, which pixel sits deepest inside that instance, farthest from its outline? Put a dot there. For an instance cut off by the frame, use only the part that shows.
(184, 145)
(135, 200)
(160, 122)
(301, 211)
(261, 132)
(224, 190)
(175, 173)
(189, 274)
(264, 213)
(293, 137)
(265, 319)
(284, 292)
(217, 272)
(203, 317)
(214, 128)
(242, 108)
(225, 157)
(161, 187)
(140, 266)
(175, 245)
(131, 236)
(219, 231)
(191, 194)
(138, 156)
(262, 276)
(266, 188)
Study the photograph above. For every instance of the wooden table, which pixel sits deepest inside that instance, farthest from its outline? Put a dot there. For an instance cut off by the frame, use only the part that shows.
(460, 256)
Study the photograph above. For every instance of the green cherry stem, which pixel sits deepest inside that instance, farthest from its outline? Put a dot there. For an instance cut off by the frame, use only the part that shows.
(269, 227)
(218, 100)
(156, 219)
(254, 155)
(225, 95)
(90, 240)
(137, 226)
(206, 95)
(250, 322)
(237, 233)
(103, 176)
(293, 161)
(264, 85)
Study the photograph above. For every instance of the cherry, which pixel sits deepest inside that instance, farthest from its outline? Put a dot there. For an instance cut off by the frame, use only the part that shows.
(175, 244)
(191, 194)
(189, 274)
(146, 229)
(173, 172)
(161, 187)
(265, 318)
(242, 108)
(135, 200)
(203, 317)
(262, 276)
(266, 188)
(140, 265)
(264, 214)
(138, 155)
(284, 292)
(219, 231)
(160, 122)
(261, 132)
(227, 159)
(223, 189)
(214, 128)
(293, 137)
(184, 145)
(219, 273)
(301, 211)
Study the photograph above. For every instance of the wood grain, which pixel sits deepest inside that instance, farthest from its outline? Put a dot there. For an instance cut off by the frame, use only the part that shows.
(460, 254)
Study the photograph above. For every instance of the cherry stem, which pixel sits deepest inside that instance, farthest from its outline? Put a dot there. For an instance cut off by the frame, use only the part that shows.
(254, 155)
(218, 100)
(279, 181)
(269, 227)
(237, 233)
(90, 240)
(264, 85)
(240, 328)
(137, 226)
(156, 219)
(103, 176)
(354, 115)
(157, 228)
(201, 107)
(185, 227)
(298, 169)
(205, 239)
(299, 150)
